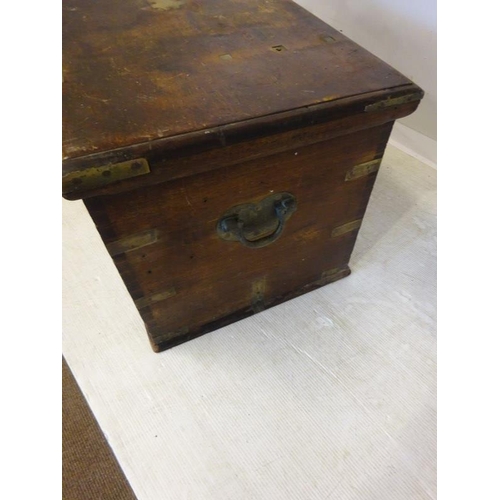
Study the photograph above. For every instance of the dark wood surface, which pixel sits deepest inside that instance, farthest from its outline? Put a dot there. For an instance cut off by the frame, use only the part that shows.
(136, 71)
(189, 281)
(220, 103)
(183, 156)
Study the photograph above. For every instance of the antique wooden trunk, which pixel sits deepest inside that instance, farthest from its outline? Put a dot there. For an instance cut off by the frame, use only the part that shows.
(225, 149)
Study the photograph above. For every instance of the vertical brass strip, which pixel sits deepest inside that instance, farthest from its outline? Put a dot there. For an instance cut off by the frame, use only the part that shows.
(258, 290)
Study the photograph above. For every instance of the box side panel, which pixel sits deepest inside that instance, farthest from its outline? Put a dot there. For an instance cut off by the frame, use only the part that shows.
(186, 280)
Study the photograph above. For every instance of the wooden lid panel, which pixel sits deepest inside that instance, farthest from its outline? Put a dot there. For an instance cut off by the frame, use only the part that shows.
(138, 70)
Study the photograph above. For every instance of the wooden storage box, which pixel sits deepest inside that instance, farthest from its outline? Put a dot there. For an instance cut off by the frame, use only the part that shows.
(226, 150)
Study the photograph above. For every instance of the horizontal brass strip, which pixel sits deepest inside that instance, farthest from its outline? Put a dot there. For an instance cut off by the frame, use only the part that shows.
(362, 169)
(331, 273)
(156, 297)
(132, 242)
(346, 228)
(394, 101)
(95, 177)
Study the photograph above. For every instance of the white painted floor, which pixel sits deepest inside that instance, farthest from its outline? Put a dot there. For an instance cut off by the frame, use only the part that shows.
(329, 396)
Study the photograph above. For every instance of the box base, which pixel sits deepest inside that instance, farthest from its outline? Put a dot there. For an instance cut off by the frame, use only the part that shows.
(159, 346)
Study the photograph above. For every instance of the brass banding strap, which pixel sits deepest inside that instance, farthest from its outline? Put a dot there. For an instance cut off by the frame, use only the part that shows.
(362, 170)
(156, 297)
(96, 177)
(346, 228)
(132, 242)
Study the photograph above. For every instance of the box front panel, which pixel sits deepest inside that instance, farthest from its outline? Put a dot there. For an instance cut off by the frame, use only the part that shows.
(186, 280)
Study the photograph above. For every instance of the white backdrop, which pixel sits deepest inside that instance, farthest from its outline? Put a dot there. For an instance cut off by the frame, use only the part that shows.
(403, 34)
(331, 395)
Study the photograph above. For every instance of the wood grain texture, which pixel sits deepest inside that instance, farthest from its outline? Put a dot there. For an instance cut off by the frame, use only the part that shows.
(191, 154)
(139, 70)
(331, 395)
(200, 107)
(190, 281)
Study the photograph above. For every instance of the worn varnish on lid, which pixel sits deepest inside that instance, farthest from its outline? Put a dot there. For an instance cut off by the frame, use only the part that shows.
(226, 150)
(137, 71)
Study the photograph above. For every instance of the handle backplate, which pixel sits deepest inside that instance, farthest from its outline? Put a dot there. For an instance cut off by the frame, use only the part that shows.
(256, 225)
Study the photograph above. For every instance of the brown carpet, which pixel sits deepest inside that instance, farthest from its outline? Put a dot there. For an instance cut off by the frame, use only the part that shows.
(90, 470)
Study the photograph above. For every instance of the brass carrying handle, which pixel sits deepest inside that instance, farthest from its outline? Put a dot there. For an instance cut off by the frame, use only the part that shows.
(232, 227)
